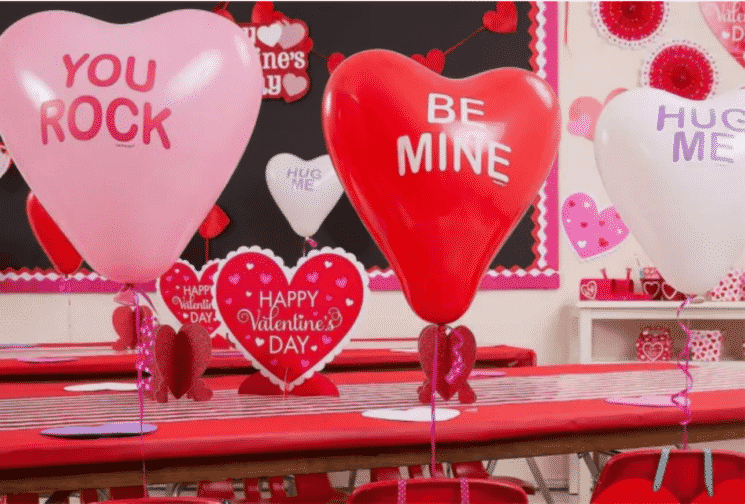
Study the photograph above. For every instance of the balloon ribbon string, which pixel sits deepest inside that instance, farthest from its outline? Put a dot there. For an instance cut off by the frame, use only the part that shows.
(458, 366)
(309, 241)
(141, 390)
(463, 41)
(684, 404)
(432, 429)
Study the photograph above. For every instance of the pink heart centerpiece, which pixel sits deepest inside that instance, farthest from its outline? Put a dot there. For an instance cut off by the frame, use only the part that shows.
(188, 294)
(591, 233)
(290, 322)
(727, 21)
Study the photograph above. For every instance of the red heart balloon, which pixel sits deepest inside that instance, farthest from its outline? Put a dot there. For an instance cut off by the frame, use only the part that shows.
(182, 357)
(53, 241)
(214, 224)
(124, 319)
(445, 358)
(391, 127)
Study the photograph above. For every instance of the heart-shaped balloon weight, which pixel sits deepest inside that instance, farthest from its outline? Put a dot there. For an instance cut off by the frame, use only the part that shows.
(392, 126)
(675, 170)
(124, 320)
(127, 134)
(182, 357)
(447, 341)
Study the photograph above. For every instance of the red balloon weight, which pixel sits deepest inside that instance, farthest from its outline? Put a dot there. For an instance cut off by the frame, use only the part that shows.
(439, 170)
(55, 244)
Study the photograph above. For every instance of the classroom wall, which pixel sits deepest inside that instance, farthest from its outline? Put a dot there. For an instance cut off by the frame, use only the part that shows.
(539, 319)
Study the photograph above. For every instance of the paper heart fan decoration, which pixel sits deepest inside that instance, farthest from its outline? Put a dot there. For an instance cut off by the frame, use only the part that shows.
(148, 120)
(631, 25)
(305, 191)
(675, 170)
(290, 322)
(54, 243)
(392, 127)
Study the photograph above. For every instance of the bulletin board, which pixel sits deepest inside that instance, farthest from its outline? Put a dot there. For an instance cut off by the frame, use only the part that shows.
(529, 258)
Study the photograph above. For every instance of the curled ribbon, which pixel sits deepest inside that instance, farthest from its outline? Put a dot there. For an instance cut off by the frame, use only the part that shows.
(458, 365)
(432, 429)
(130, 296)
(309, 241)
(684, 405)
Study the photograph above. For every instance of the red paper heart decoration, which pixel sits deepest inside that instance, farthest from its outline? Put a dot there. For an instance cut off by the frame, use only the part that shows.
(391, 127)
(334, 60)
(188, 294)
(435, 60)
(447, 340)
(722, 18)
(214, 224)
(53, 241)
(124, 319)
(182, 357)
(503, 19)
(289, 330)
(264, 13)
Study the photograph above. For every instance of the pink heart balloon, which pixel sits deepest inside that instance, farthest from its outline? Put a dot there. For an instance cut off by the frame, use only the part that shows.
(127, 134)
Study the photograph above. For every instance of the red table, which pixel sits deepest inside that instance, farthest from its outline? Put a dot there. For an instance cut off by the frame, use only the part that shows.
(531, 412)
(224, 362)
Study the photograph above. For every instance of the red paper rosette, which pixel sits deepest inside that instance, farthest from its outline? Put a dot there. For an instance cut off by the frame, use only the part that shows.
(630, 24)
(682, 68)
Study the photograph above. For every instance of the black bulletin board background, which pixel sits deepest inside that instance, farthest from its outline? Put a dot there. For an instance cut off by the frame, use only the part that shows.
(346, 27)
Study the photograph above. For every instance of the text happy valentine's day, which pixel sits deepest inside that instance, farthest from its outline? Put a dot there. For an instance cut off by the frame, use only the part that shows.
(268, 321)
(103, 71)
(440, 110)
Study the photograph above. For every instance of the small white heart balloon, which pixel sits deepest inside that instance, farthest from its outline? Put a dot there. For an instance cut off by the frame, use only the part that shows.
(675, 171)
(305, 191)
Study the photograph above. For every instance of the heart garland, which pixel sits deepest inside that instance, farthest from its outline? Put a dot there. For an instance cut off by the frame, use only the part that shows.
(503, 19)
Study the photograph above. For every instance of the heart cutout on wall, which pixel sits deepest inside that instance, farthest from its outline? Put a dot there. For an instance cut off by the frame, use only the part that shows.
(590, 232)
(721, 16)
(290, 322)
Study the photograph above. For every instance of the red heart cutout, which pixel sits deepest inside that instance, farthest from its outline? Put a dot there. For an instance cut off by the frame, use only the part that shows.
(125, 325)
(53, 241)
(501, 20)
(307, 45)
(652, 286)
(671, 293)
(289, 330)
(440, 227)
(264, 13)
(188, 294)
(182, 357)
(445, 357)
(435, 60)
(334, 60)
(214, 224)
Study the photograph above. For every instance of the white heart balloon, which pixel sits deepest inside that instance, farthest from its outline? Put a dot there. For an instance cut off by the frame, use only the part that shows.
(305, 191)
(675, 171)
(5, 159)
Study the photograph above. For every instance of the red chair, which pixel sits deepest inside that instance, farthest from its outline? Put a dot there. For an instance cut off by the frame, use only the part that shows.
(27, 498)
(384, 474)
(673, 476)
(163, 500)
(417, 472)
(317, 489)
(438, 491)
(221, 490)
(476, 470)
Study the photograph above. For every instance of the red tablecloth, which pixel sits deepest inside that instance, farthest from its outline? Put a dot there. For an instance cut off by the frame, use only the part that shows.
(124, 364)
(340, 430)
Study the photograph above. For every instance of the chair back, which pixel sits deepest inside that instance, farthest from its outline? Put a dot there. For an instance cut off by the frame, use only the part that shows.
(438, 491)
(673, 476)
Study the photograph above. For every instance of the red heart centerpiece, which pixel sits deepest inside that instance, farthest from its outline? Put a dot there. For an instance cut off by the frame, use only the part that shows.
(439, 170)
(726, 20)
(182, 357)
(290, 329)
(447, 340)
(124, 319)
(188, 294)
